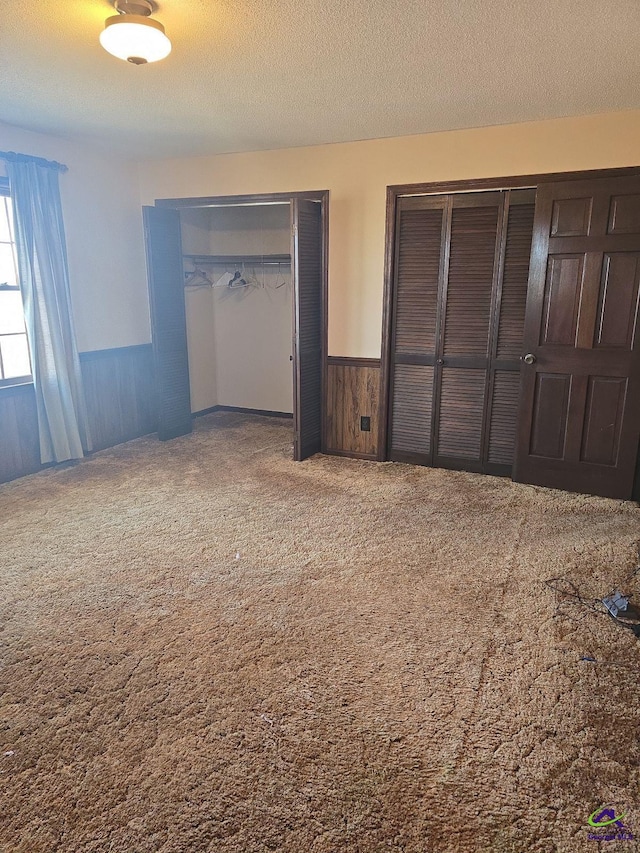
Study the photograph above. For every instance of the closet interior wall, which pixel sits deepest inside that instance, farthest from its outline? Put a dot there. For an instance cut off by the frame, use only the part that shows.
(239, 339)
(460, 289)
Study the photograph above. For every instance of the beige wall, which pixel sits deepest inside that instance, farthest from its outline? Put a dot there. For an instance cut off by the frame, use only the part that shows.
(357, 174)
(240, 340)
(101, 198)
(101, 208)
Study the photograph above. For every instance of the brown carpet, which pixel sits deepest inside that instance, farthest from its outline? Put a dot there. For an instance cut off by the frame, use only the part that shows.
(208, 647)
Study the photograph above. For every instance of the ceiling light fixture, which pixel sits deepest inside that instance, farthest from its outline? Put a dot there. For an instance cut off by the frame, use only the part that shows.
(133, 35)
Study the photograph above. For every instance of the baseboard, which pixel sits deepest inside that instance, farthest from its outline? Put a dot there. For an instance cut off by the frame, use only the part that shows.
(202, 412)
(347, 361)
(352, 454)
(264, 412)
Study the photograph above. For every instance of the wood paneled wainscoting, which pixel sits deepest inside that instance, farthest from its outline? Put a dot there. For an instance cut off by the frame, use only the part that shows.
(353, 393)
(19, 445)
(119, 387)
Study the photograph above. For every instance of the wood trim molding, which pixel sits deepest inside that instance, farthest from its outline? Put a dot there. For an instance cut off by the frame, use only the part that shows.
(134, 349)
(385, 367)
(348, 361)
(202, 412)
(324, 383)
(267, 413)
(508, 182)
(16, 388)
(253, 198)
(352, 454)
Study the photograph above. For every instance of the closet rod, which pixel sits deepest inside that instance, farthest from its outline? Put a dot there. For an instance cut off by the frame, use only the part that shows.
(231, 260)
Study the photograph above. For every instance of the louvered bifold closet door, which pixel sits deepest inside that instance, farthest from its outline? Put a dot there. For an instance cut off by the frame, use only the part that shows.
(307, 257)
(478, 374)
(419, 262)
(509, 334)
(168, 322)
(462, 378)
(460, 287)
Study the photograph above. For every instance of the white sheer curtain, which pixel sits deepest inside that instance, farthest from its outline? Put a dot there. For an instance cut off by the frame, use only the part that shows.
(44, 283)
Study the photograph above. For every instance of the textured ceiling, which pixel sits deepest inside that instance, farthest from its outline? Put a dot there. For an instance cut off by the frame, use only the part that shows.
(255, 74)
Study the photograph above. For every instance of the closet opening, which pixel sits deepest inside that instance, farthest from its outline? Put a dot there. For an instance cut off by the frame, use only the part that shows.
(509, 342)
(237, 268)
(238, 306)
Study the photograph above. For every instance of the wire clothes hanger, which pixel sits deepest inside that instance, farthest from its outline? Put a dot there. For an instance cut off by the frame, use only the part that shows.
(198, 278)
(282, 283)
(238, 280)
(253, 279)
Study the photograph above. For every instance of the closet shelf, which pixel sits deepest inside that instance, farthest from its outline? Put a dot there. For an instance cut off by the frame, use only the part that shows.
(235, 260)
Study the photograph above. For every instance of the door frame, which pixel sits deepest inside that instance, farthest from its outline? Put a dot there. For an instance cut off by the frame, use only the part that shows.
(397, 191)
(321, 196)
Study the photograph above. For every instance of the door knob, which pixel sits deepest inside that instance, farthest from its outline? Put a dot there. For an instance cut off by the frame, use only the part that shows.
(529, 358)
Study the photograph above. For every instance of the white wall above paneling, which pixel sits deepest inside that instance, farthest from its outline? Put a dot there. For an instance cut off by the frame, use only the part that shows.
(358, 173)
(253, 344)
(196, 230)
(253, 230)
(105, 246)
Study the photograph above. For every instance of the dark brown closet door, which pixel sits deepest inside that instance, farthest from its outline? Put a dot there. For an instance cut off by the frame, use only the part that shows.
(168, 322)
(462, 378)
(421, 240)
(579, 420)
(461, 269)
(507, 332)
(307, 259)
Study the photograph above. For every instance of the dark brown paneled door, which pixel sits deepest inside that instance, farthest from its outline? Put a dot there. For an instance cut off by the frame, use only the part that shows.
(579, 417)
(307, 254)
(168, 323)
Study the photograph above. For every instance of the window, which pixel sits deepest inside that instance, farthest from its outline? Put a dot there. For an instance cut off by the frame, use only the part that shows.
(15, 365)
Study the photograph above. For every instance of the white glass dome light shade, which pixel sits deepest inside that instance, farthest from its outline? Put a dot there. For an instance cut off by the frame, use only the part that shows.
(136, 38)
